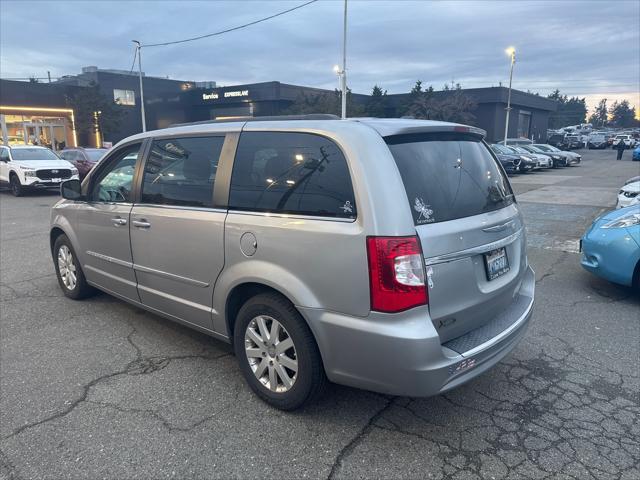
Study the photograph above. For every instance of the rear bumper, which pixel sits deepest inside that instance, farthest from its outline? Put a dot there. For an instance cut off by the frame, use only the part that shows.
(401, 354)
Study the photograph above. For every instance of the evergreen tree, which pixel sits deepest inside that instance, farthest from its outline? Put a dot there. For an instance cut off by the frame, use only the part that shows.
(600, 116)
(377, 104)
(571, 111)
(623, 115)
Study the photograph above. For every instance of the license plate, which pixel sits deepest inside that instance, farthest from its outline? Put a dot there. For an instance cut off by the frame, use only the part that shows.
(56, 180)
(496, 263)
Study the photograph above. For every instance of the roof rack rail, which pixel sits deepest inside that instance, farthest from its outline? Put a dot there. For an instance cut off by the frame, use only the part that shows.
(270, 118)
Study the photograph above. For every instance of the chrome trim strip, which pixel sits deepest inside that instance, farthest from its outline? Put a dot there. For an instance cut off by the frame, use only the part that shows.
(178, 207)
(449, 257)
(106, 258)
(108, 275)
(293, 216)
(173, 298)
(505, 333)
(170, 276)
(498, 228)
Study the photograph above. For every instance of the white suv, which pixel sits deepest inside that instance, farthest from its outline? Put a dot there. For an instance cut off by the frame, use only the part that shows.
(30, 166)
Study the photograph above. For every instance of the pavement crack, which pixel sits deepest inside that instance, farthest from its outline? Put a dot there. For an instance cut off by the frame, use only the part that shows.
(355, 441)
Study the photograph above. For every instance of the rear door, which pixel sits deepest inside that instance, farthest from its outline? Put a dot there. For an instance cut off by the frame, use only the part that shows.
(469, 225)
(177, 233)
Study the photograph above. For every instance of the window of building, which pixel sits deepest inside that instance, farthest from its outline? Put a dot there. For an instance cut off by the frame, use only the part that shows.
(124, 97)
(524, 124)
(293, 173)
(182, 171)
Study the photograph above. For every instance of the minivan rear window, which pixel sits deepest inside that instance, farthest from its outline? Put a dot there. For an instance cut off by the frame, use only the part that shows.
(449, 175)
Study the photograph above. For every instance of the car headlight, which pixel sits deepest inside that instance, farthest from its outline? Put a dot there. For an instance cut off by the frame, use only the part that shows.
(555, 157)
(74, 171)
(522, 157)
(29, 173)
(628, 220)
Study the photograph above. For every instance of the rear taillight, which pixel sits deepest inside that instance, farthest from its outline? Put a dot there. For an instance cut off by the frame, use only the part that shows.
(396, 273)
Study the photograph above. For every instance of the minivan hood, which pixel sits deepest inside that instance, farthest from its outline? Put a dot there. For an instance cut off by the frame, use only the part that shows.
(42, 164)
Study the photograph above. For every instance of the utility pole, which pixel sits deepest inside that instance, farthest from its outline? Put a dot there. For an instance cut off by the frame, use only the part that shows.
(343, 77)
(139, 53)
(49, 75)
(512, 52)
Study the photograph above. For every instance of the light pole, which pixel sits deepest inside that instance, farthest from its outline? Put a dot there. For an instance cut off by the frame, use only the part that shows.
(512, 53)
(139, 52)
(342, 73)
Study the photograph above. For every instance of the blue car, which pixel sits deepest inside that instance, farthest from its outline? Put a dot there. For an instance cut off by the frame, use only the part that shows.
(636, 154)
(611, 246)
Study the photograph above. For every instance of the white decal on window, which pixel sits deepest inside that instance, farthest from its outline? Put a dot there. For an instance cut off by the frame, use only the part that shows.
(347, 208)
(426, 214)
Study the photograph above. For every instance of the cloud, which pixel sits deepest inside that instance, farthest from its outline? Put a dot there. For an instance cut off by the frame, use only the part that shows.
(582, 48)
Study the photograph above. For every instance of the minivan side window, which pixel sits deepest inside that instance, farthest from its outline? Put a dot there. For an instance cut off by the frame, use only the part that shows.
(114, 183)
(182, 171)
(291, 173)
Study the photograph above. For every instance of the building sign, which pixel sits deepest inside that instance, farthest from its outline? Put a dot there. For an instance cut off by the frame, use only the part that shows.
(237, 93)
(230, 94)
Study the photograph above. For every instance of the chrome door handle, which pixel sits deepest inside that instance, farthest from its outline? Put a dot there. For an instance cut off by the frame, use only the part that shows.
(119, 221)
(141, 224)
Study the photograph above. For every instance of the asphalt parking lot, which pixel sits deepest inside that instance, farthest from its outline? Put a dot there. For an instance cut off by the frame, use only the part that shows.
(101, 389)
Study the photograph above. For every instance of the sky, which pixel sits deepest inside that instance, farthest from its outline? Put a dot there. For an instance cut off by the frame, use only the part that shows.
(584, 48)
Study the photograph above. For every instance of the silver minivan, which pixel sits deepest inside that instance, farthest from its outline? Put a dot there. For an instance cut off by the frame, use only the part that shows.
(384, 254)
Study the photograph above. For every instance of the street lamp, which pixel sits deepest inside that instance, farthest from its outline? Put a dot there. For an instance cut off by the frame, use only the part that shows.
(511, 51)
(142, 114)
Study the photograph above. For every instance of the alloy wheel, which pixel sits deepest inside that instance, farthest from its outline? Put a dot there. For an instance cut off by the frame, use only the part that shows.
(66, 267)
(271, 353)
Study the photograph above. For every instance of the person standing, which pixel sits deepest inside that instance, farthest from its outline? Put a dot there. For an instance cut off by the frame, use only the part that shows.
(620, 147)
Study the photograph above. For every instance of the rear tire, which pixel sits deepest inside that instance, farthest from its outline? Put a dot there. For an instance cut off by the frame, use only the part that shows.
(256, 347)
(70, 276)
(16, 187)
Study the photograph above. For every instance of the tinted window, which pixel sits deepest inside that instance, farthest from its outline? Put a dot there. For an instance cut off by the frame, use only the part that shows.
(4, 154)
(297, 173)
(114, 182)
(448, 176)
(181, 171)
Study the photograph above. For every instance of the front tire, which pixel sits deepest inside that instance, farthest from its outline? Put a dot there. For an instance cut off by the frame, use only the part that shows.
(16, 187)
(70, 276)
(277, 353)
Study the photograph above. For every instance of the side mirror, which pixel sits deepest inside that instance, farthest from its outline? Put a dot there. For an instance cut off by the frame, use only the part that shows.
(71, 190)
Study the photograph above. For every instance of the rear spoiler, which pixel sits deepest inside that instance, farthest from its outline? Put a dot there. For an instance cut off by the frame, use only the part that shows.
(440, 129)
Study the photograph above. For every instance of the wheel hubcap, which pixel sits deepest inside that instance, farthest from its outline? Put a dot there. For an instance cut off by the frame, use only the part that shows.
(66, 267)
(271, 353)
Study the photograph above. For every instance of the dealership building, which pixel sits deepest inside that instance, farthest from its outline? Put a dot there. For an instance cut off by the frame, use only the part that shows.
(42, 113)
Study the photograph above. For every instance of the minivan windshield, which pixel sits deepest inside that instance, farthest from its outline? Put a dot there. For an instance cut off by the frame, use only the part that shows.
(33, 154)
(449, 175)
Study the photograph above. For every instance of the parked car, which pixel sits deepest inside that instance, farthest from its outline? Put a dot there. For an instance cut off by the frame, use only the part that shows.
(629, 141)
(84, 159)
(265, 234)
(519, 141)
(560, 158)
(25, 167)
(573, 142)
(636, 154)
(541, 160)
(629, 195)
(611, 247)
(597, 141)
(572, 158)
(525, 163)
(535, 150)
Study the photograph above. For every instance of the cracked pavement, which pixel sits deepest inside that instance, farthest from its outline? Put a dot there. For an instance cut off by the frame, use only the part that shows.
(101, 389)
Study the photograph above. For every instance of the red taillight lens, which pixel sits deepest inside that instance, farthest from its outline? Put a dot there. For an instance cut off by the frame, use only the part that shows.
(396, 273)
